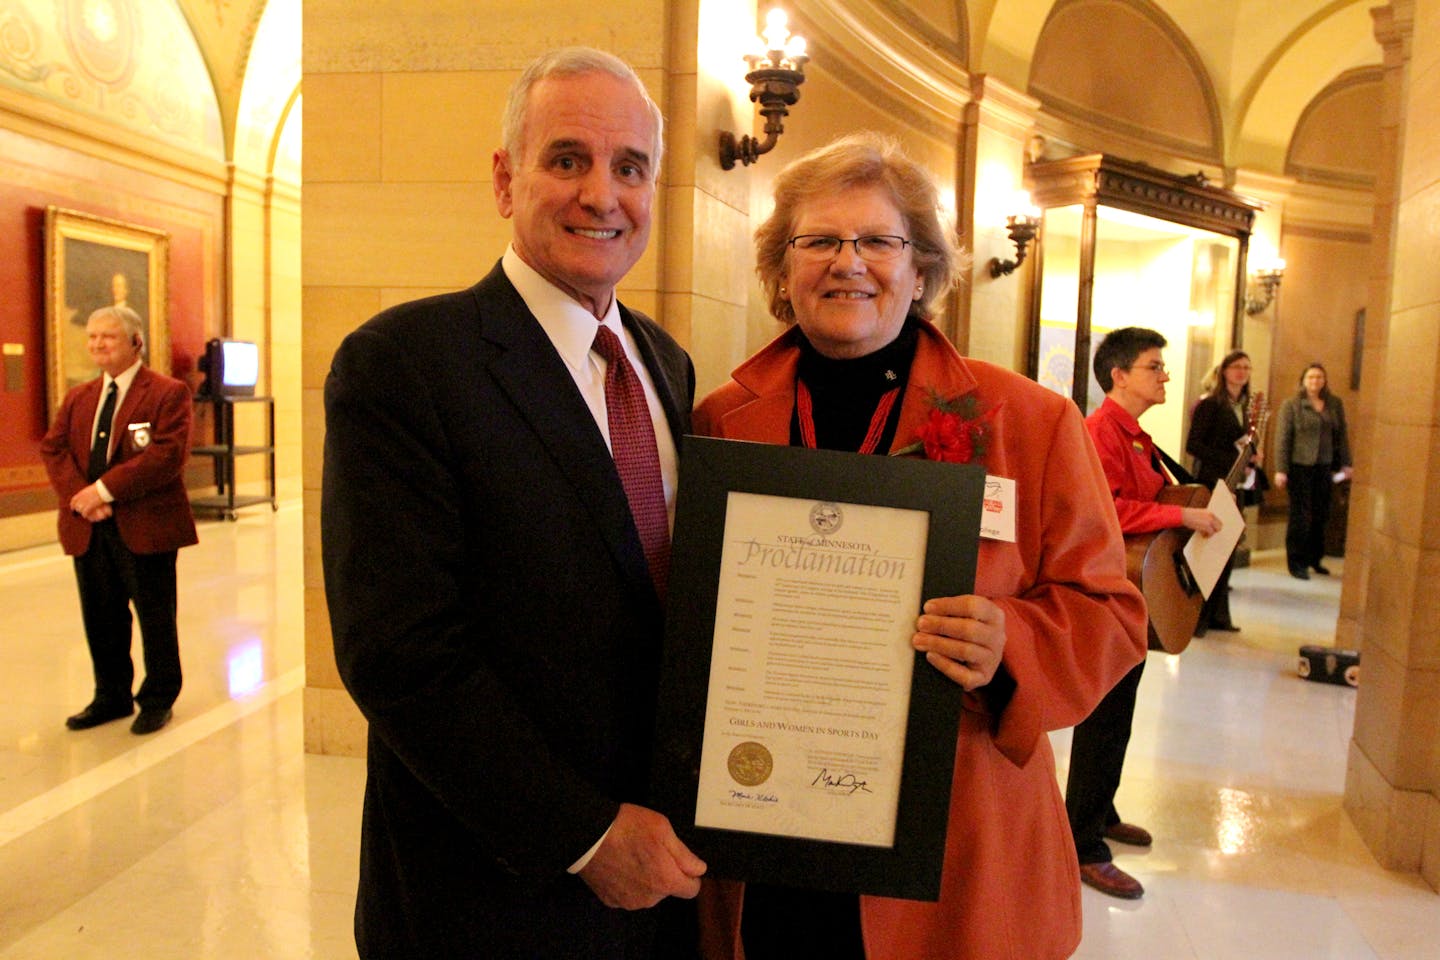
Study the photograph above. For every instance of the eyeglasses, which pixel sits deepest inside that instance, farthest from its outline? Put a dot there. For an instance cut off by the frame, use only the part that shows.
(876, 248)
(1156, 368)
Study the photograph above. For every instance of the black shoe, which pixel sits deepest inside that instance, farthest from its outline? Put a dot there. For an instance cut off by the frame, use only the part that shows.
(1300, 573)
(150, 720)
(99, 712)
(1320, 569)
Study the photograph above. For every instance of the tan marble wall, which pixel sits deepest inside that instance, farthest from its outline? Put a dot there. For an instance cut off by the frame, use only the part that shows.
(1393, 784)
(284, 333)
(999, 123)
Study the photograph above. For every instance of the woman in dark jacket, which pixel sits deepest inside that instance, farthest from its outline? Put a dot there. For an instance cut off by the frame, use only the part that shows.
(1312, 454)
(1217, 428)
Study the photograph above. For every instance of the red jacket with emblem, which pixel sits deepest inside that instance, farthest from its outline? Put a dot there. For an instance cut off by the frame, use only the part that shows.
(147, 460)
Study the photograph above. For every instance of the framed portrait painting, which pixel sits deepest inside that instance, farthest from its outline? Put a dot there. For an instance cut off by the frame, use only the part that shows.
(93, 262)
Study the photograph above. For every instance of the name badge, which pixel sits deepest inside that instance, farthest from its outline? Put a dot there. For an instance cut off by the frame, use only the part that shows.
(997, 513)
(140, 434)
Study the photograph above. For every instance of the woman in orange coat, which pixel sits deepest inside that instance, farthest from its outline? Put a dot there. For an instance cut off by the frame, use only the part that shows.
(853, 255)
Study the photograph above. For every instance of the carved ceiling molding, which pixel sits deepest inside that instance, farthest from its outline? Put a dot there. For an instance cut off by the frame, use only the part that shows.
(882, 49)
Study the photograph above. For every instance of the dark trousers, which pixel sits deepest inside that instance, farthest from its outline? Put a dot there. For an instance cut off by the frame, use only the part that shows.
(1310, 489)
(1097, 754)
(110, 578)
(1216, 611)
(781, 923)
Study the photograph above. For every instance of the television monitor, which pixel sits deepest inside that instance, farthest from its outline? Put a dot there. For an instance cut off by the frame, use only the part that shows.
(232, 368)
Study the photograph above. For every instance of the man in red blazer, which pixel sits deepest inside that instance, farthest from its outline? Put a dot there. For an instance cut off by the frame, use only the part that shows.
(115, 454)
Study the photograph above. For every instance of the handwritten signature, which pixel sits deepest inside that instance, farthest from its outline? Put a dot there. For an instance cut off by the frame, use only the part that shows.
(756, 797)
(846, 783)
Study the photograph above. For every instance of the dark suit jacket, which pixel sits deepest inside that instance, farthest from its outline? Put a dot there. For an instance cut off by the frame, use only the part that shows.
(494, 620)
(1213, 432)
(152, 437)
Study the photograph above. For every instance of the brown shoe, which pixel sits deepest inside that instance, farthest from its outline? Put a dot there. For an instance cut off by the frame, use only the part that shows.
(1108, 878)
(1128, 833)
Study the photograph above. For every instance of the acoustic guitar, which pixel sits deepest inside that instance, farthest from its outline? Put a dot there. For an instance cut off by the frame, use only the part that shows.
(1155, 562)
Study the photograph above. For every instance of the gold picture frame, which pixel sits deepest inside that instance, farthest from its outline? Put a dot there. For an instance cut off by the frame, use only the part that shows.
(93, 262)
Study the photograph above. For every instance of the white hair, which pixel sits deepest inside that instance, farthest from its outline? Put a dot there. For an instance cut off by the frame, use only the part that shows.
(569, 62)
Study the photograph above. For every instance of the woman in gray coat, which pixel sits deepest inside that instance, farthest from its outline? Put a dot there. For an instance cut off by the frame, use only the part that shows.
(1312, 454)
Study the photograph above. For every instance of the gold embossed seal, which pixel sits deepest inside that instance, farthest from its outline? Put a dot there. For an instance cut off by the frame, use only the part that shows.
(750, 763)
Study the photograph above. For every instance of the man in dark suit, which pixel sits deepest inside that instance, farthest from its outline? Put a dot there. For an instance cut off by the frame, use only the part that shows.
(494, 582)
(115, 454)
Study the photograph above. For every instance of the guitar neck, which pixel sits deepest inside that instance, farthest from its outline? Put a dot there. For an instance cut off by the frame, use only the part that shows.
(1258, 413)
(1242, 460)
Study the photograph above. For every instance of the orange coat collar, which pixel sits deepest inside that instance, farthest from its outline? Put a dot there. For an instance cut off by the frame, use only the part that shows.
(769, 379)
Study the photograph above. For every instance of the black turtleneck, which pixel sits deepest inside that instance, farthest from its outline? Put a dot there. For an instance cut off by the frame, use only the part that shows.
(846, 393)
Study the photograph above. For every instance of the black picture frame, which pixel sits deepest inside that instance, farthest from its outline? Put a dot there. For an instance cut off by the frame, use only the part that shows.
(952, 495)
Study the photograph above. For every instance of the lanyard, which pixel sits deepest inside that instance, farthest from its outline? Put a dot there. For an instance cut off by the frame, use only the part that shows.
(805, 407)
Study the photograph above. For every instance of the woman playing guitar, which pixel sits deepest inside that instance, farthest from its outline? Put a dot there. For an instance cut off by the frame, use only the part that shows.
(1219, 429)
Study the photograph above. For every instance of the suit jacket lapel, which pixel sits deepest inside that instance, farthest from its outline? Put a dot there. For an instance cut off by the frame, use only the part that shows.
(134, 397)
(937, 368)
(82, 422)
(532, 375)
(770, 377)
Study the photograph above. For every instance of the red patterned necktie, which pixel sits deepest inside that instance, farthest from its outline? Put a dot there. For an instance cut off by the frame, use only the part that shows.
(637, 458)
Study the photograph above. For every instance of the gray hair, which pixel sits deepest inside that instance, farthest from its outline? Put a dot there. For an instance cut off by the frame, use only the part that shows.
(128, 319)
(569, 62)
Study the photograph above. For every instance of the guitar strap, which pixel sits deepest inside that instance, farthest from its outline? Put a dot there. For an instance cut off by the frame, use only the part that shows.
(1180, 474)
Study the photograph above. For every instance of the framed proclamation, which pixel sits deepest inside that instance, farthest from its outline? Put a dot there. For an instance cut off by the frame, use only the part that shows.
(800, 738)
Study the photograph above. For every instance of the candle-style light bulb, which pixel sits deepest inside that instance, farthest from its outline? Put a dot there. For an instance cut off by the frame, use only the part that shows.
(776, 32)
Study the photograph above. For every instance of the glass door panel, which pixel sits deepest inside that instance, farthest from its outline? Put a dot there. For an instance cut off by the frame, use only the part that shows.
(1147, 272)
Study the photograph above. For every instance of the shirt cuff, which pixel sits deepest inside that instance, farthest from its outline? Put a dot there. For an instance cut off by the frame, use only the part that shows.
(585, 858)
(105, 495)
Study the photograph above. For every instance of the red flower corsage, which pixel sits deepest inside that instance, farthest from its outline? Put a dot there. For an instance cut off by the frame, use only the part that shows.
(956, 431)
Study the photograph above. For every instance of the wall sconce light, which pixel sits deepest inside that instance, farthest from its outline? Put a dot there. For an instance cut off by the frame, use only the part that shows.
(775, 77)
(1265, 281)
(1022, 228)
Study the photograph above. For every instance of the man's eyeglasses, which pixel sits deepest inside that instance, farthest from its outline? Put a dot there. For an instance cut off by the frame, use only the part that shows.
(876, 248)
(1156, 368)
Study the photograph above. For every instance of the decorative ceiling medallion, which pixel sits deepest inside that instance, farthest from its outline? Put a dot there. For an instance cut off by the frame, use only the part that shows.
(19, 42)
(102, 34)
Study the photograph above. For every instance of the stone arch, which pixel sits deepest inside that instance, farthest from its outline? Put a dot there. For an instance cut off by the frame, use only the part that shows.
(270, 92)
(1333, 41)
(1336, 139)
(1084, 70)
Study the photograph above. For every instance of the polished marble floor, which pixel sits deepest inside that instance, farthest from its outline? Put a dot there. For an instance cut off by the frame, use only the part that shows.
(220, 838)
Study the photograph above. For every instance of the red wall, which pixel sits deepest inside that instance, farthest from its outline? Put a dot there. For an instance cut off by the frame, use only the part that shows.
(34, 175)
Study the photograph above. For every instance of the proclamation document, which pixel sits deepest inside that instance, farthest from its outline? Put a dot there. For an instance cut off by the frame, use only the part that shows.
(811, 668)
(800, 739)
